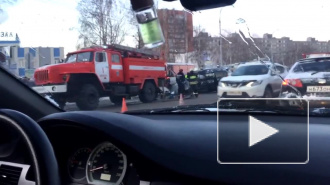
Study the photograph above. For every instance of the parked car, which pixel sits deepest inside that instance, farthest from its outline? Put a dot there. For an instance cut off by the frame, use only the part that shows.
(208, 79)
(253, 79)
(309, 78)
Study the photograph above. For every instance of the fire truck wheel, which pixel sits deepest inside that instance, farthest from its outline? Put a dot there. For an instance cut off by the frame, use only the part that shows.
(148, 93)
(88, 98)
(117, 100)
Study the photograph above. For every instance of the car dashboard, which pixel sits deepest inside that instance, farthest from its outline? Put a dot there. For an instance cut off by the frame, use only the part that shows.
(171, 149)
(88, 154)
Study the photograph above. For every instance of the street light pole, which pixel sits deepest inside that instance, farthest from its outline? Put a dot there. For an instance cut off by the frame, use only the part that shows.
(221, 62)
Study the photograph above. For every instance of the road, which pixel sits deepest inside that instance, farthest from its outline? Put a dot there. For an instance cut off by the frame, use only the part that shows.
(135, 104)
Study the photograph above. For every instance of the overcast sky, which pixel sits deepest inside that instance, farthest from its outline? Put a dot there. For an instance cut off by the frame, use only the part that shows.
(53, 23)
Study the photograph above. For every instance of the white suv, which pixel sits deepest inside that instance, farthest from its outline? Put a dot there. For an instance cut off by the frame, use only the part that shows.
(253, 80)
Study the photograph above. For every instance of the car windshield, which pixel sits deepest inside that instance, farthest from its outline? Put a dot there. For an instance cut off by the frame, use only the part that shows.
(80, 57)
(97, 55)
(251, 70)
(313, 66)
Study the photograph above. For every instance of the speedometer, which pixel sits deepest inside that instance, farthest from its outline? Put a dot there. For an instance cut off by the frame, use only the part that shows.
(106, 165)
(77, 164)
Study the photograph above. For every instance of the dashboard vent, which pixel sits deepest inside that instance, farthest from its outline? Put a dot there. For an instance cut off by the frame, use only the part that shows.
(9, 175)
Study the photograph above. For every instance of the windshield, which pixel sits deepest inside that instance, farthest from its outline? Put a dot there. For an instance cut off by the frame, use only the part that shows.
(251, 70)
(313, 66)
(92, 55)
(80, 57)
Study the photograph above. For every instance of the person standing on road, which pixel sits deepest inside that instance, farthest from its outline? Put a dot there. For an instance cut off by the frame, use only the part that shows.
(193, 82)
(180, 78)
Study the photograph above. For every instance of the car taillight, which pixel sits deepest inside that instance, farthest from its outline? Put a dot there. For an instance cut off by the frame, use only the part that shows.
(293, 82)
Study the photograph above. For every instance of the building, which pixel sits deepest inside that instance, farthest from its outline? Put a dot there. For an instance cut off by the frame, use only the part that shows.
(177, 28)
(278, 49)
(7, 40)
(282, 50)
(23, 61)
(287, 51)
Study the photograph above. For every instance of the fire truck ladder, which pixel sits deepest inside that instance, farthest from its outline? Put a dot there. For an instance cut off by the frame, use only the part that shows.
(128, 51)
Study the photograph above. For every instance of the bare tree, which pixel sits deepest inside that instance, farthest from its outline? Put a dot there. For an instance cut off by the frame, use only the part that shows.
(101, 22)
(200, 44)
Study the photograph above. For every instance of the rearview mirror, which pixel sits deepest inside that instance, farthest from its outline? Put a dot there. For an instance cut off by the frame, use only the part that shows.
(196, 5)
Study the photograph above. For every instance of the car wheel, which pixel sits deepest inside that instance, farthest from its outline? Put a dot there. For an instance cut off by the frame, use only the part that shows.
(88, 98)
(148, 93)
(268, 94)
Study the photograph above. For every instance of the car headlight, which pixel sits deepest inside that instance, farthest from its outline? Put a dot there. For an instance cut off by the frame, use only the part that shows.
(221, 84)
(254, 83)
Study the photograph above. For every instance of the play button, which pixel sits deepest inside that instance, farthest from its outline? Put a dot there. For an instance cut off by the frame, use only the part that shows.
(259, 131)
(257, 137)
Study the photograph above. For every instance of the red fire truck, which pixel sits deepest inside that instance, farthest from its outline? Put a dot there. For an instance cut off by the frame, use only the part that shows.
(113, 71)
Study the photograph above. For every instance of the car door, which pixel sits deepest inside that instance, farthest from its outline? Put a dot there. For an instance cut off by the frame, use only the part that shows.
(102, 66)
(116, 71)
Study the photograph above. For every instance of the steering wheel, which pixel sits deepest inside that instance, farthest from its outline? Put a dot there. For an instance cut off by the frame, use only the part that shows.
(44, 161)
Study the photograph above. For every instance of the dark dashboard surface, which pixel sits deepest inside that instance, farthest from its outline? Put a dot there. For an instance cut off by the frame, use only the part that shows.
(183, 148)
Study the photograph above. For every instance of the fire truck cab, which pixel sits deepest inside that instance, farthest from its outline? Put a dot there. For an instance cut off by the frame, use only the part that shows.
(113, 70)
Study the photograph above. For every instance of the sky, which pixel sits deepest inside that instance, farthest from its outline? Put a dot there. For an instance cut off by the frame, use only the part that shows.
(54, 23)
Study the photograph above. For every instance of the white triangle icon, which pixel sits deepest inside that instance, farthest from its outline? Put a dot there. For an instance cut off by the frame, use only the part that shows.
(259, 131)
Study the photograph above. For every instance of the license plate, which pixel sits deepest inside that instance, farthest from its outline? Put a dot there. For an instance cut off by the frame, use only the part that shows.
(318, 88)
(234, 93)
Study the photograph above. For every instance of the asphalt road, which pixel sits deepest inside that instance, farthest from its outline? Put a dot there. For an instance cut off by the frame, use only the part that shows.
(135, 104)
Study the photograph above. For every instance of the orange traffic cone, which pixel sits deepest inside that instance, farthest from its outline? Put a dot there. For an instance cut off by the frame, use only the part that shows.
(124, 106)
(181, 100)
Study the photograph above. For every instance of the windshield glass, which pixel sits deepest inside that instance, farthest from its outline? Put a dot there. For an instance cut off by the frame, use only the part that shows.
(80, 57)
(313, 66)
(71, 58)
(51, 46)
(251, 70)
